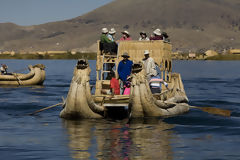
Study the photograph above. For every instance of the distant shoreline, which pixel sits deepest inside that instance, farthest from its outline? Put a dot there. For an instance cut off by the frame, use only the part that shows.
(93, 56)
(90, 56)
(220, 57)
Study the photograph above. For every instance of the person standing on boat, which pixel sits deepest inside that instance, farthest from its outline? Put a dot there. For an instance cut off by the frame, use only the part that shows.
(114, 85)
(149, 65)
(124, 70)
(143, 36)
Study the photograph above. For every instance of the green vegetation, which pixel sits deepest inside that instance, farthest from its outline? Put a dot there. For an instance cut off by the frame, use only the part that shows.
(68, 55)
(225, 57)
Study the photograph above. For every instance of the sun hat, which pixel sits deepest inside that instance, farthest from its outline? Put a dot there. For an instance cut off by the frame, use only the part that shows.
(125, 32)
(104, 30)
(146, 52)
(157, 32)
(112, 31)
(125, 54)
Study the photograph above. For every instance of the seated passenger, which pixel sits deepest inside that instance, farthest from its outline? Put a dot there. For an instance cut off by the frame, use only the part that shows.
(125, 36)
(157, 35)
(111, 36)
(143, 36)
(3, 69)
(104, 36)
(155, 84)
(165, 37)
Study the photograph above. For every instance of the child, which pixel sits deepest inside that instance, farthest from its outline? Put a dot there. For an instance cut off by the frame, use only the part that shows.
(127, 86)
(114, 84)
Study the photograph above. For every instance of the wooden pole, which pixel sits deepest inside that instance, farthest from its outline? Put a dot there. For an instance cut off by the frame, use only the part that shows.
(43, 109)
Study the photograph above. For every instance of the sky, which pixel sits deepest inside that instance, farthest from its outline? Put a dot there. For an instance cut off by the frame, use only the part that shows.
(34, 12)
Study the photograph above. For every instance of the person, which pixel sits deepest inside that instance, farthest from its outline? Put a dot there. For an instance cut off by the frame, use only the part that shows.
(125, 36)
(114, 85)
(155, 84)
(107, 46)
(157, 35)
(165, 37)
(149, 65)
(127, 86)
(3, 69)
(124, 70)
(111, 34)
(143, 36)
(104, 36)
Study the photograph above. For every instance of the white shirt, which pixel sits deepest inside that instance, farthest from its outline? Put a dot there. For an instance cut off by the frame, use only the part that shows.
(150, 67)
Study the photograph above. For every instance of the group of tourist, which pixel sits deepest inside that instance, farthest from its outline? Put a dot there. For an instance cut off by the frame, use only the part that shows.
(124, 72)
(110, 44)
(109, 36)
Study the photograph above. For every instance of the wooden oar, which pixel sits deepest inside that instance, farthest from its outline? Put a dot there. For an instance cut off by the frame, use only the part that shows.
(213, 110)
(210, 110)
(43, 109)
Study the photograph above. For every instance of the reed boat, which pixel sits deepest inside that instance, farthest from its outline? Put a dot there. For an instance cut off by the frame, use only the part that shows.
(35, 76)
(81, 103)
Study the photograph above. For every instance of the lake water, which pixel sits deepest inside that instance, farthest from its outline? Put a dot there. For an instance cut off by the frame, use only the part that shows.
(196, 135)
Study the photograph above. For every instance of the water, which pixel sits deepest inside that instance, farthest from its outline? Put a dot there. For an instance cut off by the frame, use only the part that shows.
(196, 135)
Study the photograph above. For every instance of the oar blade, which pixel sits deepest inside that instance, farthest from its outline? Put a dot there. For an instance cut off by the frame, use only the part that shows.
(217, 111)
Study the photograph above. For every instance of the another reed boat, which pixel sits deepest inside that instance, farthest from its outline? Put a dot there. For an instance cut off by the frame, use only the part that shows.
(80, 103)
(36, 76)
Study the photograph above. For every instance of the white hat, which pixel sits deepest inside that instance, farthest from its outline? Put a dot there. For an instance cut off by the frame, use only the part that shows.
(104, 30)
(126, 32)
(112, 31)
(146, 52)
(157, 32)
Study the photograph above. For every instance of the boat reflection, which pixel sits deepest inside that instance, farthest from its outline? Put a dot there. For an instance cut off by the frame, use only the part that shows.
(101, 139)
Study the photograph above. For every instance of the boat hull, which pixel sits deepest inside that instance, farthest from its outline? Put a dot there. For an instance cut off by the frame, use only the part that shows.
(36, 76)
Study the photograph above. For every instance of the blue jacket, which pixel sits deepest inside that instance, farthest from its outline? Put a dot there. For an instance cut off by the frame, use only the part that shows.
(124, 69)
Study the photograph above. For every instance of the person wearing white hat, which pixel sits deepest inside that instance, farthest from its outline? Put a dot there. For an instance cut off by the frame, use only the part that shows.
(125, 36)
(149, 65)
(157, 35)
(106, 44)
(111, 34)
(113, 45)
(104, 37)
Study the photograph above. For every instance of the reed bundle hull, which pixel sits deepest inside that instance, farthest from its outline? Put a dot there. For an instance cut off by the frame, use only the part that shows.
(36, 76)
(80, 103)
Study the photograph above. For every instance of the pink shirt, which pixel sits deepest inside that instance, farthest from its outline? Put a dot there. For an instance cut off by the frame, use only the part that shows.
(127, 91)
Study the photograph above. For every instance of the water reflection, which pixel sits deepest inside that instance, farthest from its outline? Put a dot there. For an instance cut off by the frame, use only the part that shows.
(139, 139)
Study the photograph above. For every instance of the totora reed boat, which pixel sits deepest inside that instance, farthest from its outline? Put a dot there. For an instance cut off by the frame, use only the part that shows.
(36, 76)
(81, 103)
